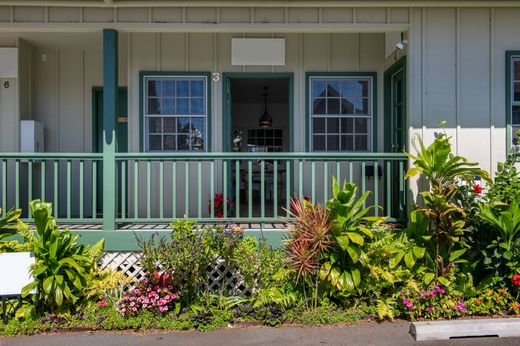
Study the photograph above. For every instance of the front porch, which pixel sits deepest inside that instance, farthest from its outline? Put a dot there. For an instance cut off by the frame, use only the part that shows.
(135, 164)
(153, 189)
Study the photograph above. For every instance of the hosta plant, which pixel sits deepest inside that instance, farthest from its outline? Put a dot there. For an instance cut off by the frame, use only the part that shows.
(346, 259)
(63, 267)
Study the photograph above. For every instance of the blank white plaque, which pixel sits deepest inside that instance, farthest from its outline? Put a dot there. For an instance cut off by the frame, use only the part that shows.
(14, 272)
(258, 51)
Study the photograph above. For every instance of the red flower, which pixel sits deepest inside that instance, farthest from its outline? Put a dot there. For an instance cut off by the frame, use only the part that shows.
(101, 303)
(516, 279)
(477, 189)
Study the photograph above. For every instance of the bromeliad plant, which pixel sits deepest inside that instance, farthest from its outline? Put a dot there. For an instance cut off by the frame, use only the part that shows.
(63, 268)
(345, 259)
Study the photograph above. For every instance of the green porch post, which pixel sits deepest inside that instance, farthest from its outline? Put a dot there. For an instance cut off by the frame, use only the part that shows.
(110, 79)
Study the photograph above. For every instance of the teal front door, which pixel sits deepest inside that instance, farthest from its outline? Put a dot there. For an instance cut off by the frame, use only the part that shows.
(97, 134)
(395, 126)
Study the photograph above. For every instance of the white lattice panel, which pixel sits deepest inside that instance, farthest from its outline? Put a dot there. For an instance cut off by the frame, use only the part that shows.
(221, 278)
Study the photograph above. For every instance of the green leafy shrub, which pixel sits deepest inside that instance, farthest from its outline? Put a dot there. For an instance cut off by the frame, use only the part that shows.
(63, 267)
(491, 302)
(346, 259)
(9, 225)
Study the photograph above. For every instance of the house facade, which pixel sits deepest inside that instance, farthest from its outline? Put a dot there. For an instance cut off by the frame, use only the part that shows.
(125, 112)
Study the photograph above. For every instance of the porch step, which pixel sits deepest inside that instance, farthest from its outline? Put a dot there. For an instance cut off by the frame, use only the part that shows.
(456, 329)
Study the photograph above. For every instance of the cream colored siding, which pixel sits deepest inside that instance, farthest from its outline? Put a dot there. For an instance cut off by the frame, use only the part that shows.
(457, 73)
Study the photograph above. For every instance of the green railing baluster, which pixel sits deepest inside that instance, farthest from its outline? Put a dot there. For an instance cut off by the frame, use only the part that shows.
(249, 189)
(4, 185)
(29, 184)
(338, 171)
(136, 189)
(81, 183)
(123, 189)
(148, 188)
(376, 187)
(69, 178)
(225, 187)
(237, 188)
(388, 192)
(174, 189)
(17, 184)
(94, 189)
(313, 181)
(300, 178)
(363, 181)
(288, 187)
(42, 181)
(351, 171)
(262, 188)
(212, 189)
(55, 175)
(199, 189)
(325, 181)
(402, 192)
(187, 188)
(161, 189)
(275, 188)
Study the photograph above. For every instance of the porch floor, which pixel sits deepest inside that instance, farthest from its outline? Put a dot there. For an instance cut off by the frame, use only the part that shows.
(267, 226)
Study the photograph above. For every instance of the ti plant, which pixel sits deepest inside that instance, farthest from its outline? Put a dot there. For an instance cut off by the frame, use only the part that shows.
(344, 262)
(444, 172)
(310, 239)
(63, 268)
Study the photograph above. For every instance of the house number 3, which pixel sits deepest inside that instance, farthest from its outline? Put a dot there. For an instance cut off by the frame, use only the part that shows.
(6, 85)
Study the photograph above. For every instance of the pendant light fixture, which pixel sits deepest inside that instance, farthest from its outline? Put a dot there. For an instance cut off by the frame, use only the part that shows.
(265, 120)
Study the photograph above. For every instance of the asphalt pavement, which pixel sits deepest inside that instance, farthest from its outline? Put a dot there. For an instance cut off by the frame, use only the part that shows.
(363, 333)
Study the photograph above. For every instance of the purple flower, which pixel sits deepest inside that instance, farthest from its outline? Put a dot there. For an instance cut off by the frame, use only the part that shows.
(432, 292)
(406, 302)
(423, 293)
(409, 305)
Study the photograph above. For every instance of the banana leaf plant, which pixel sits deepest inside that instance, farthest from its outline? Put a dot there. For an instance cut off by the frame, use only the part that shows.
(63, 267)
(346, 260)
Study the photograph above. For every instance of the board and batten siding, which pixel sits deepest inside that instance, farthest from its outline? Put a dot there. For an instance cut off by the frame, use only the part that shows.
(457, 73)
(212, 53)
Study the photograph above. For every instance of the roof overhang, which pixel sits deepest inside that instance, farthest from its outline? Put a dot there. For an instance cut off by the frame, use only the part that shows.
(265, 3)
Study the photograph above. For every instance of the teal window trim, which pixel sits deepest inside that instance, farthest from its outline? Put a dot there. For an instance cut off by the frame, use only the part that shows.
(387, 79)
(205, 74)
(309, 75)
(510, 54)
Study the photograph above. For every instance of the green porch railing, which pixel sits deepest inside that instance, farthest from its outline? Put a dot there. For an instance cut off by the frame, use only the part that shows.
(69, 180)
(158, 187)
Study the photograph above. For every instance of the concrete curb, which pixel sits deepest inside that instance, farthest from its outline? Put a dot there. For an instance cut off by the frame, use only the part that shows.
(445, 330)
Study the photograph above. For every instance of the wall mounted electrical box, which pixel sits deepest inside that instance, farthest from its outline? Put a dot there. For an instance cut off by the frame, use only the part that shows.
(31, 136)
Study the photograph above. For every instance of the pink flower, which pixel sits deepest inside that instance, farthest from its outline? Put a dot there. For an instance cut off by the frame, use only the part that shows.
(430, 310)
(148, 289)
(423, 293)
(136, 291)
(432, 292)
(405, 301)
(409, 305)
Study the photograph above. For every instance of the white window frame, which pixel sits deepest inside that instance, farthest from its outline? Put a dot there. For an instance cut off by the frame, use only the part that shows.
(370, 115)
(206, 109)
